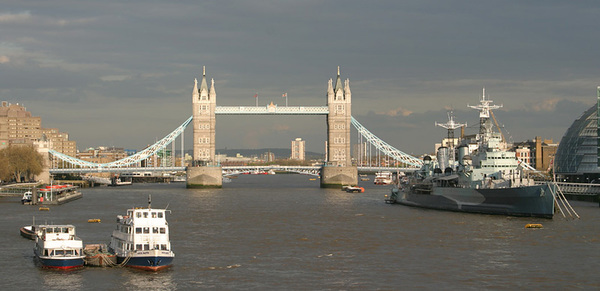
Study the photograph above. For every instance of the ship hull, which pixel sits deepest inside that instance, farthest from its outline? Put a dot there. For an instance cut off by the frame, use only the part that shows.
(530, 201)
(149, 263)
(59, 262)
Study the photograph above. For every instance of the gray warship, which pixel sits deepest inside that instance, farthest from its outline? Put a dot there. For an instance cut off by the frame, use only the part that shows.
(488, 179)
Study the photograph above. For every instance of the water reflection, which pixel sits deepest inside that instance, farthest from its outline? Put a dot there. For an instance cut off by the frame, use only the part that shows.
(62, 279)
(144, 280)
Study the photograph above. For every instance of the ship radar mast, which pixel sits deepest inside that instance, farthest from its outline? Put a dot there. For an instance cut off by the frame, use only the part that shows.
(451, 125)
(484, 108)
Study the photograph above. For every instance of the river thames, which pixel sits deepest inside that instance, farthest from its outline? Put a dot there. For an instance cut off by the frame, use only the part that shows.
(283, 232)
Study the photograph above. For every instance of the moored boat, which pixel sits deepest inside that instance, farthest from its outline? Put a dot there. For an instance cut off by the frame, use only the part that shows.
(488, 180)
(58, 247)
(354, 189)
(97, 255)
(141, 239)
(383, 178)
(28, 232)
(27, 196)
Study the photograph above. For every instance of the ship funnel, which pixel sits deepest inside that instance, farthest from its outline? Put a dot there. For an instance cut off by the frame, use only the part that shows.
(462, 152)
(443, 157)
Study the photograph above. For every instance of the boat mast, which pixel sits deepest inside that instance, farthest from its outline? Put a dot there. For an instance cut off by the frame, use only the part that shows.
(484, 108)
(451, 126)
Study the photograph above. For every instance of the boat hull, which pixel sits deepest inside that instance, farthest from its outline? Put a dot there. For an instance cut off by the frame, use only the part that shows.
(60, 263)
(530, 201)
(149, 263)
(27, 233)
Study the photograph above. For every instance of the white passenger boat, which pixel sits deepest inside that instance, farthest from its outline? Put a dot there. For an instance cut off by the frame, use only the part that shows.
(141, 239)
(383, 178)
(57, 246)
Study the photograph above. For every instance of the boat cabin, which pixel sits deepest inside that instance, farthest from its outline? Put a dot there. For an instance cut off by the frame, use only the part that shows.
(142, 229)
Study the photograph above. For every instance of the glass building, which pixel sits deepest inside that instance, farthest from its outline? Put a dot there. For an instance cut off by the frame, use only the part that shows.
(577, 156)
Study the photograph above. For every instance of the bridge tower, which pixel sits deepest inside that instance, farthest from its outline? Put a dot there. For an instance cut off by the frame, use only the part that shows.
(339, 169)
(204, 102)
(204, 171)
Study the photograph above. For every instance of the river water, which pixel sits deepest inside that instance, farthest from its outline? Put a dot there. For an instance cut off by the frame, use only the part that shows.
(283, 232)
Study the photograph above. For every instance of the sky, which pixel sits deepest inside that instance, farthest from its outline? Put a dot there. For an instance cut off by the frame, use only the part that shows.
(121, 73)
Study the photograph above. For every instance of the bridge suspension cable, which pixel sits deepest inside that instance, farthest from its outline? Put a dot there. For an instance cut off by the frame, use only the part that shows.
(138, 157)
(379, 144)
(384, 147)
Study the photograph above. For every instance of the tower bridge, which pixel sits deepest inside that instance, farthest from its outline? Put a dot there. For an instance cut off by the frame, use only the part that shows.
(338, 169)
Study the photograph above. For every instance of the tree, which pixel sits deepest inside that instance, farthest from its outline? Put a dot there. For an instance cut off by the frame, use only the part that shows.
(17, 162)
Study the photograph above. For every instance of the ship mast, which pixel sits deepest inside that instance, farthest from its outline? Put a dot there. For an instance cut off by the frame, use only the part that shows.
(451, 125)
(484, 108)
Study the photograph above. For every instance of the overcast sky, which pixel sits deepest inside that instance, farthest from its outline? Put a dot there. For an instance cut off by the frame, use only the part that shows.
(121, 73)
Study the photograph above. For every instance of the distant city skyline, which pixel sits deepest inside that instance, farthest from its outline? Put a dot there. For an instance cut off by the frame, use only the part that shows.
(121, 74)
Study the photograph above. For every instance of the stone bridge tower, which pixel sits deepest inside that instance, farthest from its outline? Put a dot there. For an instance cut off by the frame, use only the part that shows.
(204, 102)
(339, 101)
(204, 172)
(339, 169)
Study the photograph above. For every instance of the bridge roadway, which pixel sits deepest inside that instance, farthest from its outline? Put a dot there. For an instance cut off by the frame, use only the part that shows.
(314, 170)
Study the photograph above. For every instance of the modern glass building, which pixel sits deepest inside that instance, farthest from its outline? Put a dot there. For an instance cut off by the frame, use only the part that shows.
(578, 153)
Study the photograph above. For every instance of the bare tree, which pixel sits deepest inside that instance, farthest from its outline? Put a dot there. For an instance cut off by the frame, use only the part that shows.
(20, 162)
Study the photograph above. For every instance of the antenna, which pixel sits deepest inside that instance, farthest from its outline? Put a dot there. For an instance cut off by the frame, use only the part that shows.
(484, 108)
(451, 126)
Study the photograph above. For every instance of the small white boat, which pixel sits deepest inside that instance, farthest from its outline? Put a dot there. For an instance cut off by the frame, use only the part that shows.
(57, 247)
(27, 196)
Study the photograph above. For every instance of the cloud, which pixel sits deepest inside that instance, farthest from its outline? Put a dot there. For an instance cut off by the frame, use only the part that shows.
(396, 112)
(14, 18)
(548, 105)
(115, 78)
(4, 59)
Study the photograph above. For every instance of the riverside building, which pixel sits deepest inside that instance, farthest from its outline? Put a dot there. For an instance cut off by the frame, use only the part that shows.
(298, 149)
(18, 126)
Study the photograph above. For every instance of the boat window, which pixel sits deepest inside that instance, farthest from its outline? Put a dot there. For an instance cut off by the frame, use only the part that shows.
(59, 252)
(163, 247)
(162, 230)
(57, 229)
(160, 215)
(146, 247)
(138, 215)
(153, 214)
(146, 230)
(155, 230)
(138, 247)
(49, 230)
(45, 252)
(68, 252)
(145, 214)
(65, 230)
(138, 230)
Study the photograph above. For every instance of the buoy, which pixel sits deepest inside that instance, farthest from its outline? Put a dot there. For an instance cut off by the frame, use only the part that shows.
(362, 190)
(44, 209)
(534, 225)
(94, 220)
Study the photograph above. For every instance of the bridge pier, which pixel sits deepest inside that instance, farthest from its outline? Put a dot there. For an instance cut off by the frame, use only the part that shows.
(336, 177)
(204, 177)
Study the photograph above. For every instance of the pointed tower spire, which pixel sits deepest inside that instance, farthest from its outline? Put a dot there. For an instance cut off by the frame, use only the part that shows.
(338, 82)
(195, 90)
(203, 85)
(212, 87)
